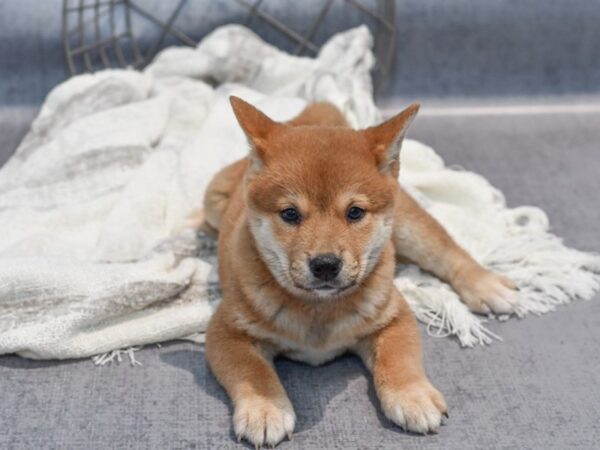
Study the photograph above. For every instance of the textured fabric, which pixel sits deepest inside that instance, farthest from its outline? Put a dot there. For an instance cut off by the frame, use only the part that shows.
(92, 203)
(538, 389)
(94, 258)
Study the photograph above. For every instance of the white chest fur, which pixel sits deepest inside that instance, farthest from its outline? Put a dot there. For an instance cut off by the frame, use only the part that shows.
(321, 336)
(314, 343)
(314, 356)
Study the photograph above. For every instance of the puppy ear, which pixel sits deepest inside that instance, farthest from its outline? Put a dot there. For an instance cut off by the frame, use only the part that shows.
(386, 139)
(256, 125)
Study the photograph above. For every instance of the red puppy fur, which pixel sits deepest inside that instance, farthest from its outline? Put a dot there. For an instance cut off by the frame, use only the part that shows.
(310, 225)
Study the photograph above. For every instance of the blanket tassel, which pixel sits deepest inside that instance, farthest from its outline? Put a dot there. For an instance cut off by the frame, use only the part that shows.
(116, 356)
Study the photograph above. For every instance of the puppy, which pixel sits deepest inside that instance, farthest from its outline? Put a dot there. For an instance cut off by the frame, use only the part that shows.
(310, 225)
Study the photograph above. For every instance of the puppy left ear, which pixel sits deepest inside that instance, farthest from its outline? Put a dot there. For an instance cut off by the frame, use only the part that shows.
(386, 139)
(257, 127)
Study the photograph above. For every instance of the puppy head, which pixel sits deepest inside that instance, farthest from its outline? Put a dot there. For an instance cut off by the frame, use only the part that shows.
(321, 199)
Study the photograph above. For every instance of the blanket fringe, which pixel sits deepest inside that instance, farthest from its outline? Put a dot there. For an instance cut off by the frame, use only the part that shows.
(547, 273)
(116, 356)
(440, 309)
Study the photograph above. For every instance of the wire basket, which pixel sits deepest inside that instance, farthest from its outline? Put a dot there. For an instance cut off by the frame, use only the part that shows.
(100, 34)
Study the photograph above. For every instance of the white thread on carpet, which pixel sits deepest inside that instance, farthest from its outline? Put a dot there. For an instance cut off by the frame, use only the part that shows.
(116, 356)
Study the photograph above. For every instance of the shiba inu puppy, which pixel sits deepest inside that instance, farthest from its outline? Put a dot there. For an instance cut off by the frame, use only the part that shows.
(310, 225)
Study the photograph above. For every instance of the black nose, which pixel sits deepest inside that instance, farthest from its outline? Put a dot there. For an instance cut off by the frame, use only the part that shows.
(325, 267)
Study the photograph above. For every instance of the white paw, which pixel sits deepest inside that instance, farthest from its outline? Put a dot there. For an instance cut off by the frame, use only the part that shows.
(417, 407)
(262, 421)
(486, 292)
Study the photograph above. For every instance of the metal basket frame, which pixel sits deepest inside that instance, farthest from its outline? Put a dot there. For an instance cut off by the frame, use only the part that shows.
(83, 54)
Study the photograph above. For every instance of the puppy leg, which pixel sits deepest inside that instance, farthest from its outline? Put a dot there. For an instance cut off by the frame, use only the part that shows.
(420, 238)
(407, 397)
(263, 414)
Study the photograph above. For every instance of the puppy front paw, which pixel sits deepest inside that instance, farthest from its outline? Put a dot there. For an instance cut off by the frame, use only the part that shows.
(263, 421)
(416, 407)
(486, 292)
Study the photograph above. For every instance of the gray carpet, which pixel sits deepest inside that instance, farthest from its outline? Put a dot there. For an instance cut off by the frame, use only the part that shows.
(539, 389)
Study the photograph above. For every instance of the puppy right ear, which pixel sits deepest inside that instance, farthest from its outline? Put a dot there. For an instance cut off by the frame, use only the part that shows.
(386, 139)
(257, 127)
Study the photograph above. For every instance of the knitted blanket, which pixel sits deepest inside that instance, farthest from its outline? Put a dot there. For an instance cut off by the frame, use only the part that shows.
(94, 256)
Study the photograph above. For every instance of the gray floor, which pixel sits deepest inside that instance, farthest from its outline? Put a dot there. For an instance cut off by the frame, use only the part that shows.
(538, 389)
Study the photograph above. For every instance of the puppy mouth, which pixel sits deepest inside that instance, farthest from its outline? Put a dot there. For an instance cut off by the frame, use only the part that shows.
(326, 288)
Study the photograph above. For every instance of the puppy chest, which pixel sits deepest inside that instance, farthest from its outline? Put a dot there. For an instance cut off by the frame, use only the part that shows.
(316, 345)
(315, 341)
(312, 355)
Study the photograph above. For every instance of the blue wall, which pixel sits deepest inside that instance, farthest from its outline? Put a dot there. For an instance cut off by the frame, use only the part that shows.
(444, 48)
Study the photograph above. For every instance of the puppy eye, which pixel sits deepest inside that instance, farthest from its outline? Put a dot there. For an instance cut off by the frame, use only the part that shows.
(290, 215)
(355, 213)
